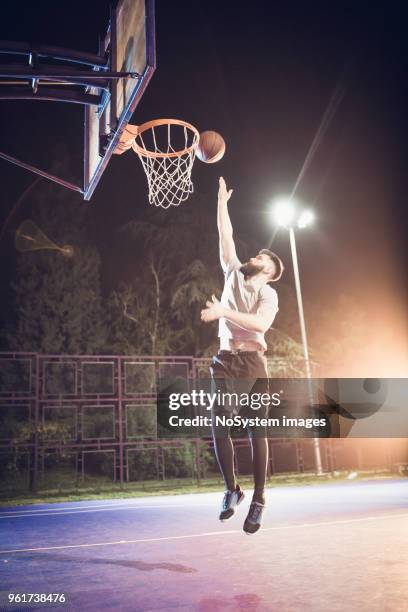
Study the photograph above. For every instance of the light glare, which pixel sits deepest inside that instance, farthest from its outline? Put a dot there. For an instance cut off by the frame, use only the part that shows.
(305, 219)
(284, 212)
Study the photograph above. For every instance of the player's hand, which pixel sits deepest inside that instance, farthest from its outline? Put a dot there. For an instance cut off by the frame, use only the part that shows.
(213, 311)
(224, 194)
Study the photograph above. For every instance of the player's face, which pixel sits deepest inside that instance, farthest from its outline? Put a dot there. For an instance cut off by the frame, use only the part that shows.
(263, 262)
(259, 259)
(259, 263)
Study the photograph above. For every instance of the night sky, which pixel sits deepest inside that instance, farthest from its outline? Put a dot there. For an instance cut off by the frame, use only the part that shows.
(262, 75)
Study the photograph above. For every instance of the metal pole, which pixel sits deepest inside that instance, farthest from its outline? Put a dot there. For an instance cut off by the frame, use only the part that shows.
(34, 467)
(120, 423)
(47, 175)
(52, 73)
(316, 444)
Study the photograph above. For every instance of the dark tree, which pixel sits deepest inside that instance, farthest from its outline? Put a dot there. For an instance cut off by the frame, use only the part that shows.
(57, 299)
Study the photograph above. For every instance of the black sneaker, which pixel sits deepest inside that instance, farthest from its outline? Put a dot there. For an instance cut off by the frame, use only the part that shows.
(253, 520)
(230, 502)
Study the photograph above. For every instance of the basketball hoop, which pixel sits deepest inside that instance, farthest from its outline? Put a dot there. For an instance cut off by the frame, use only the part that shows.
(166, 148)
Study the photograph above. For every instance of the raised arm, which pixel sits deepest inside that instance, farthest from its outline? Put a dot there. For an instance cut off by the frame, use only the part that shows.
(227, 245)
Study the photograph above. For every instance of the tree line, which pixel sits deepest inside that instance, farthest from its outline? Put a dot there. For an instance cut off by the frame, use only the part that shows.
(138, 288)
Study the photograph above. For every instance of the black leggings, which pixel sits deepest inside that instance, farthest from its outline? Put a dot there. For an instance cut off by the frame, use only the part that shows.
(250, 370)
(224, 450)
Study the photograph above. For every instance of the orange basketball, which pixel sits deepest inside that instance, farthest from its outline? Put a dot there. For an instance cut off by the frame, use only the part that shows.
(211, 147)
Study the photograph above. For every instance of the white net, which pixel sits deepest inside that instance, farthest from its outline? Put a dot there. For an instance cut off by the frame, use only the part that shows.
(167, 150)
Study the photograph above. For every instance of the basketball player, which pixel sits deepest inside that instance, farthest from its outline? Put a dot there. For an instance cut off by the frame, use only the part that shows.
(246, 311)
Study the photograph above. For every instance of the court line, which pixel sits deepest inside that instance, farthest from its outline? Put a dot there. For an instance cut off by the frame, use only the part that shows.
(208, 534)
(104, 505)
(93, 509)
(54, 509)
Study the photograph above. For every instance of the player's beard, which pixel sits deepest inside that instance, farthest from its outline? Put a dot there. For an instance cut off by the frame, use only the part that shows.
(249, 269)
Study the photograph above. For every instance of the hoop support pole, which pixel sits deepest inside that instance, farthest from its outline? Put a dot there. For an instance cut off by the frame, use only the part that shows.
(58, 53)
(50, 94)
(42, 173)
(62, 73)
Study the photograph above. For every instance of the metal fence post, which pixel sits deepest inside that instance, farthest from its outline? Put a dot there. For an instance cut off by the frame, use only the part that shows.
(198, 460)
(120, 423)
(34, 467)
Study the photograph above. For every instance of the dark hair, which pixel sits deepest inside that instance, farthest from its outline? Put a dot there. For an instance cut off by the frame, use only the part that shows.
(277, 261)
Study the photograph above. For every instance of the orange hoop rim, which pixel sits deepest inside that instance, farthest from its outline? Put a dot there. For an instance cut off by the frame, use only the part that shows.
(157, 122)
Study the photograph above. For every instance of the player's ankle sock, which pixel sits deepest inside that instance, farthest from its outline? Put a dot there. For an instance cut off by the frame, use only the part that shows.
(232, 486)
(259, 496)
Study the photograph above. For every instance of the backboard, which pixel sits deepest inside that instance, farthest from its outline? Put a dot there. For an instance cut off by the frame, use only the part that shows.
(129, 46)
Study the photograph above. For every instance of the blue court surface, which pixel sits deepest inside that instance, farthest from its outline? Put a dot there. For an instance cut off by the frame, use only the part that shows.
(330, 547)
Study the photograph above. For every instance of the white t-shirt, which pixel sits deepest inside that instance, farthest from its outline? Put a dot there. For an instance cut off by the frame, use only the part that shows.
(241, 296)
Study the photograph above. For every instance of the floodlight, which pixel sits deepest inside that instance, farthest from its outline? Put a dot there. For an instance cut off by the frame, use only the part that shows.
(306, 218)
(284, 212)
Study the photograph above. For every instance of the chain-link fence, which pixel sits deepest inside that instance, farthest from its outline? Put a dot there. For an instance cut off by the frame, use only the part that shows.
(77, 421)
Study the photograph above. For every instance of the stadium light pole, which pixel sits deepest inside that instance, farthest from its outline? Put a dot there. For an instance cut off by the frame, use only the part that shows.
(287, 216)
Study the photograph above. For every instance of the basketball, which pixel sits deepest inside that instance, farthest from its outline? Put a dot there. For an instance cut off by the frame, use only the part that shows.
(211, 147)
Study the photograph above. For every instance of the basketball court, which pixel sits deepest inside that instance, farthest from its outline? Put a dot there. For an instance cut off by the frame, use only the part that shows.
(328, 547)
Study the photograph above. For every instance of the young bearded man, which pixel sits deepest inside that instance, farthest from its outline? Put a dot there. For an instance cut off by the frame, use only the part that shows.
(246, 311)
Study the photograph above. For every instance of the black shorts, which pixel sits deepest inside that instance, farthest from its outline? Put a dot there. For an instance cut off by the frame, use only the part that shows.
(243, 376)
